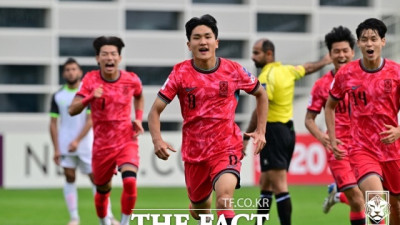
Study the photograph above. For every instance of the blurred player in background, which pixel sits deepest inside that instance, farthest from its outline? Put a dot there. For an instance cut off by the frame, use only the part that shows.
(340, 43)
(110, 91)
(73, 140)
(279, 81)
(208, 88)
(373, 86)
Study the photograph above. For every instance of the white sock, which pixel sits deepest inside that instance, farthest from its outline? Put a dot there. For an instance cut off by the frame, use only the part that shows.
(105, 221)
(337, 197)
(125, 219)
(71, 198)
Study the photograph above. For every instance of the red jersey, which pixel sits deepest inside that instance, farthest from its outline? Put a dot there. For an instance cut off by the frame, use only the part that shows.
(374, 100)
(111, 113)
(319, 96)
(208, 101)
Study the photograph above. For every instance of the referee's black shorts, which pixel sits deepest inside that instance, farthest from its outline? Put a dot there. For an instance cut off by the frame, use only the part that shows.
(278, 151)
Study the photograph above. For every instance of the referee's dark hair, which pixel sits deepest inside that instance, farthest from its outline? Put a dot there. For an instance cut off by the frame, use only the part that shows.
(206, 20)
(71, 61)
(108, 40)
(339, 34)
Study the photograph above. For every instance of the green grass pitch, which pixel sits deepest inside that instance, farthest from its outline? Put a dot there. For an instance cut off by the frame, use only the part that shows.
(47, 207)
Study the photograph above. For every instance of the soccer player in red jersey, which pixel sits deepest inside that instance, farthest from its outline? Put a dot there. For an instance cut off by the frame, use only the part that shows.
(207, 88)
(373, 86)
(109, 91)
(340, 43)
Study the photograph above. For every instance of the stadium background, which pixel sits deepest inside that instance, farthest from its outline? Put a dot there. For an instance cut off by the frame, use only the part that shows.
(37, 36)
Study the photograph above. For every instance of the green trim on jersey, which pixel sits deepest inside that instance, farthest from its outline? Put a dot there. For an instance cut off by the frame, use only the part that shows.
(74, 90)
(54, 115)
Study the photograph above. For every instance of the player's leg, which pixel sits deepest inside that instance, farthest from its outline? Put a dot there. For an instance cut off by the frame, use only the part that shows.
(85, 165)
(128, 164)
(103, 166)
(347, 184)
(391, 173)
(278, 180)
(199, 188)
(394, 209)
(129, 192)
(284, 141)
(69, 163)
(356, 202)
(224, 189)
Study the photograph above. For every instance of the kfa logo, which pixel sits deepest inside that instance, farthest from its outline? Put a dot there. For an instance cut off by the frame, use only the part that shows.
(377, 207)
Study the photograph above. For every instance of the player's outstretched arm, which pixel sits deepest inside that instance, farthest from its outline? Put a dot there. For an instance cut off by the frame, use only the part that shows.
(311, 67)
(261, 120)
(309, 122)
(160, 146)
(330, 124)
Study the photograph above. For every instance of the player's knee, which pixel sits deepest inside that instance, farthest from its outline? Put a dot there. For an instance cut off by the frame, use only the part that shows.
(224, 201)
(129, 181)
(103, 189)
(70, 177)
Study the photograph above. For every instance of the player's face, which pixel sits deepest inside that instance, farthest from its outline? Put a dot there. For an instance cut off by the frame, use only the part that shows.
(341, 53)
(72, 73)
(259, 57)
(371, 44)
(109, 59)
(203, 43)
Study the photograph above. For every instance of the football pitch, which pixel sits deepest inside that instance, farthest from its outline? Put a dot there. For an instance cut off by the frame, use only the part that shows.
(47, 207)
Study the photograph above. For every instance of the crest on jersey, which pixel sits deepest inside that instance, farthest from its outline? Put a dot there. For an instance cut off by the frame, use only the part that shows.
(223, 88)
(377, 207)
(387, 86)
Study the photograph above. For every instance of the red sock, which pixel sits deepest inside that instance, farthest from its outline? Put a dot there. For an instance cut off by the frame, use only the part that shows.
(101, 203)
(343, 198)
(129, 193)
(228, 214)
(357, 218)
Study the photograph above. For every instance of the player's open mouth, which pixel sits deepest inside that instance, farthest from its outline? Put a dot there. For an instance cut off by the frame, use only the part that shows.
(370, 51)
(203, 49)
(109, 65)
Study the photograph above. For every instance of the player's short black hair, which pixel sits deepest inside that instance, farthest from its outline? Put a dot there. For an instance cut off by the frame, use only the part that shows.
(108, 40)
(206, 20)
(373, 24)
(71, 61)
(339, 34)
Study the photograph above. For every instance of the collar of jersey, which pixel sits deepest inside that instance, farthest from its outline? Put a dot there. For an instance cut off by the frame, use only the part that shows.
(269, 65)
(70, 89)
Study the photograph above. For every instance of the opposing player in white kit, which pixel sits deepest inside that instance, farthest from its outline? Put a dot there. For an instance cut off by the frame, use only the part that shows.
(73, 139)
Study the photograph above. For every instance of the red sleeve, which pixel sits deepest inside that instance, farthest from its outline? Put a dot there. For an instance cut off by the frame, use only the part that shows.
(247, 81)
(317, 97)
(170, 88)
(85, 87)
(337, 91)
(138, 85)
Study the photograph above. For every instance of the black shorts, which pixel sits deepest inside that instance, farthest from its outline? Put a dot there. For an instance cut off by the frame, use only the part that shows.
(278, 151)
